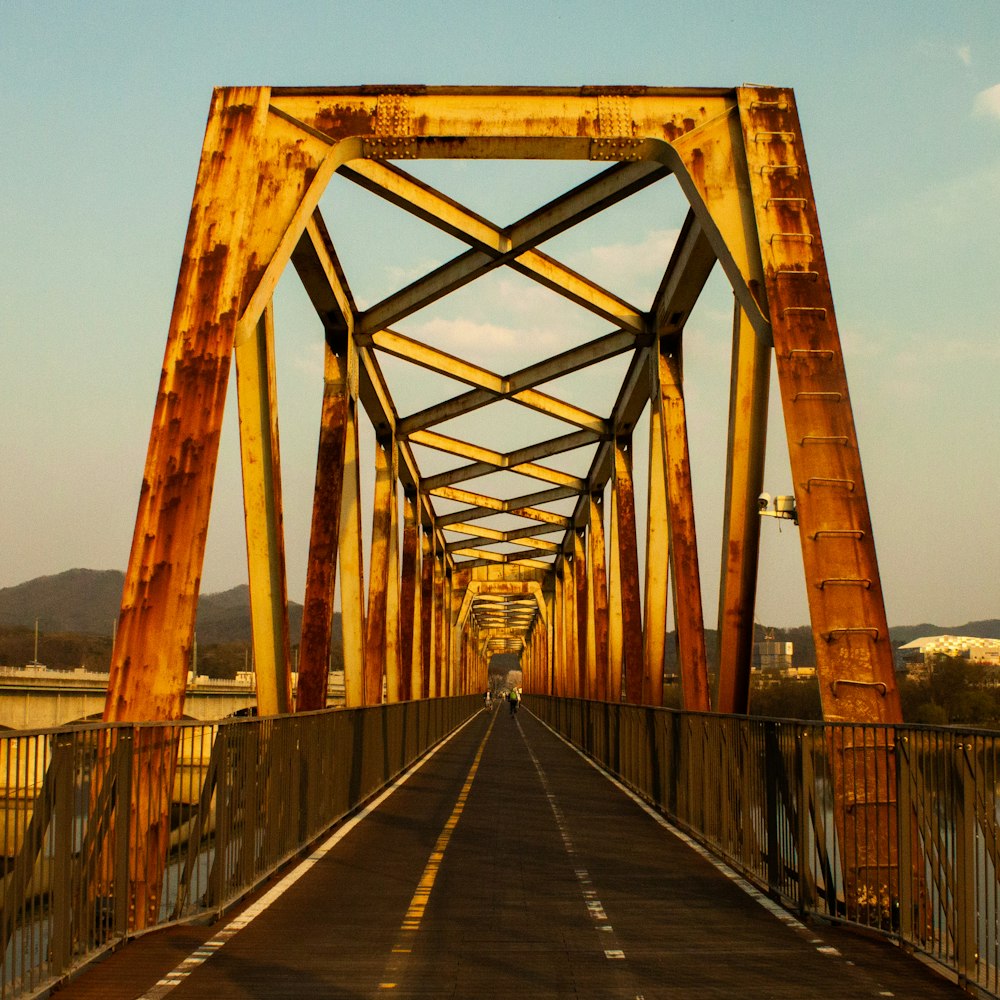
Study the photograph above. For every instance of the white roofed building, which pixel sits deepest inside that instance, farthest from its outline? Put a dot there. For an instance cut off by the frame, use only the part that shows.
(916, 654)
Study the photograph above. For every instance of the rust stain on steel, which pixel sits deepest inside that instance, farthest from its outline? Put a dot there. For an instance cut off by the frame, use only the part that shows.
(629, 561)
(826, 466)
(376, 626)
(684, 546)
(426, 610)
(599, 588)
(150, 662)
(317, 613)
(582, 612)
(345, 119)
(410, 581)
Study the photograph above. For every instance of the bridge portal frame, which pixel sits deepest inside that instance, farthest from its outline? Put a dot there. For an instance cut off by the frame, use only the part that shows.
(738, 157)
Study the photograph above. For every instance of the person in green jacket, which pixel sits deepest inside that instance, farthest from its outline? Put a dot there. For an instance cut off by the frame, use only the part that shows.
(515, 699)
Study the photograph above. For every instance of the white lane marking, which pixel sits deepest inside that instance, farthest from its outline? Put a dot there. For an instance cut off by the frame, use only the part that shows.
(594, 906)
(205, 951)
(751, 890)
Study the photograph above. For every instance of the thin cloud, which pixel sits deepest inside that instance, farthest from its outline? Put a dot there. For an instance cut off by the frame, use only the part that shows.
(491, 344)
(629, 267)
(987, 103)
(964, 54)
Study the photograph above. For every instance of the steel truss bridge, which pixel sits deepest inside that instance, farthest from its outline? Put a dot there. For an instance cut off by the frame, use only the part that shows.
(478, 548)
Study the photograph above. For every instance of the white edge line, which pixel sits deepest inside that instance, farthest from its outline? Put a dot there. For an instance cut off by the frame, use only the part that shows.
(198, 956)
(751, 890)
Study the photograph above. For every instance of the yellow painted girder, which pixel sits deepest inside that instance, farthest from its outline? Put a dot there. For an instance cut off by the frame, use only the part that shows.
(258, 410)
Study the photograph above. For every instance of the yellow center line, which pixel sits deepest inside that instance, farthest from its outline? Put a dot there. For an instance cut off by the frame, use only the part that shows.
(418, 904)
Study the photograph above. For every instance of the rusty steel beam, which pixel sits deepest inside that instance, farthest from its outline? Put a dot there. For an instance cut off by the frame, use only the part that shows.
(616, 654)
(399, 346)
(598, 576)
(378, 622)
(520, 383)
(582, 604)
(257, 395)
(317, 611)
(657, 562)
(688, 616)
(751, 371)
(625, 549)
(849, 623)
(426, 606)
(352, 587)
(153, 640)
(409, 612)
(495, 246)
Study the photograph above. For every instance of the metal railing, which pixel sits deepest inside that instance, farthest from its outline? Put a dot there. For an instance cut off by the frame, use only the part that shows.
(891, 828)
(78, 807)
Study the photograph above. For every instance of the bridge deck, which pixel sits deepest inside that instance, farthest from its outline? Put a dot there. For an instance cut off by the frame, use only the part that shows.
(544, 881)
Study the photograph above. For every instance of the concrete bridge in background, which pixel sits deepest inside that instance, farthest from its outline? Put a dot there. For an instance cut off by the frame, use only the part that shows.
(37, 698)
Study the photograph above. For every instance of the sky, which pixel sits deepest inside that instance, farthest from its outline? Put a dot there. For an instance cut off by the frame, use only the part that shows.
(101, 120)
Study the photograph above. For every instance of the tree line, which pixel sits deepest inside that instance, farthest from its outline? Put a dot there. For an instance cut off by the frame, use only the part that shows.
(951, 691)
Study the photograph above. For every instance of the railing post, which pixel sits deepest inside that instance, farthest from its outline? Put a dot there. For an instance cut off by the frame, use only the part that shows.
(966, 951)
(61, 945)
(772, 763)
(123, 889)
(804, 793)
(223, 785)
(905, 836)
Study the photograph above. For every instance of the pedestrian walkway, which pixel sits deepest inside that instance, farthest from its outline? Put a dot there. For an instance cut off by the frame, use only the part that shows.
(506, 866)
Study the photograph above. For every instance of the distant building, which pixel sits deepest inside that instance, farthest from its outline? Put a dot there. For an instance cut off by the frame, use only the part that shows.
(769, 654)
(915, 655)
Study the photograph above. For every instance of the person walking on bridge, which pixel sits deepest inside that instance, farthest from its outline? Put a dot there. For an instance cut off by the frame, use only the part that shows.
(515, 699)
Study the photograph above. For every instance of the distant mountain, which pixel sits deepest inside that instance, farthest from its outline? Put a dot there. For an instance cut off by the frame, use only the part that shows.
(87, 601)
(79, 600)
(902, 634)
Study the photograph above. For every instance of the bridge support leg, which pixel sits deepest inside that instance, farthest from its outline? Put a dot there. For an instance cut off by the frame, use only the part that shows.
(657, 560)
(598, 578)
(381, 643)
(321, 571)
(741, 527)
(624, 546)
(409, 610)
(688, 614)
(581, 604)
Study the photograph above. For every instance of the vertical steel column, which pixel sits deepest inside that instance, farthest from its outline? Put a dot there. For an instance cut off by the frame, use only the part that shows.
(559, 626)
(409, 616)
(683, 541)
(616, 653)
(582, 604)
(438, 672)
(149, 666)
(426, 611)
(377, 631)
(393, 628)
(257, 397)
(598, 576)
(853, 652)
(321, 570)
(449, 612)
(628, 559)
(657, 553)
(572, 635)
(352, 585)
(155, 630)
(550, 645)
(854, 659)
(748, 397)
